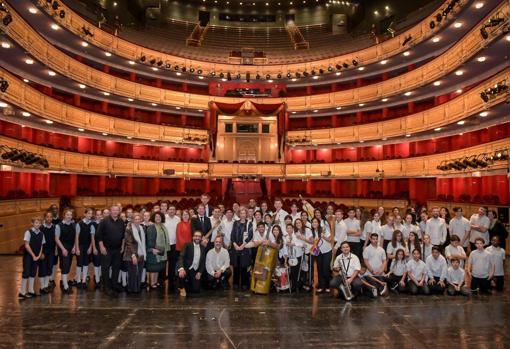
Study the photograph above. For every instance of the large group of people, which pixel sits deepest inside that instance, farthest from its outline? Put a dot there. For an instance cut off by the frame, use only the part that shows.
(346, 252)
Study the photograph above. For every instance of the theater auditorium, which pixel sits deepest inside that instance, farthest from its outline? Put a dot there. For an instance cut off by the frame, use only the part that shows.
(254, 173)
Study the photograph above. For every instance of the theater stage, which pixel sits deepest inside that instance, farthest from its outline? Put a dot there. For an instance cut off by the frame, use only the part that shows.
(241, 320)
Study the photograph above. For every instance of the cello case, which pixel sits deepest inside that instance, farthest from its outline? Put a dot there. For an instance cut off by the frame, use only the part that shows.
(262, 273)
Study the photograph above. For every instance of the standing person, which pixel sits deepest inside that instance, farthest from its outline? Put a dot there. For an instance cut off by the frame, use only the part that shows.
(455, 278)
(480, 224)
(424, 217)
(436, 228)
(480, 267)
(321, 254)
(65, 238)
(191, 265)
(240, 255)
(426, 247)
(34, 242)
(83, 247)
(340, 231)
(496, 228)
(409, 227)
(417, 275)
(201, 223)
(183, 233)
(459, 225)
(46, 268)
(412, 244)
(208, 209)
(54, 213)
(110, 234)
(171, 222)
(498, 260)
(436, 269)
(455, 250)
(279, 214)
(226, 228)
(217, 265)
(156, 248)
(294, 213)
(293, 247)
(375, 260)
(371, 227)
(397, 243)
(96, 255)
(387, 231)
(134, 253)
(353, 232)
(210, 236)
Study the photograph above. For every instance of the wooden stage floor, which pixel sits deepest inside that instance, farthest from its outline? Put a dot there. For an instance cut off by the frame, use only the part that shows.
(242, 320)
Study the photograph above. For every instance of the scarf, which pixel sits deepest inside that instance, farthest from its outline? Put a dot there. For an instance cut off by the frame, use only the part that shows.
(161, 242)
(140, 240)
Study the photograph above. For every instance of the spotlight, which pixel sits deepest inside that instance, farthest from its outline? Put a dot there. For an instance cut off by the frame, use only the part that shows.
(143, 59)
(199, 71)
(55, 5)
(183, 69)
(4, 85)
(345, 65)
(484, 97)
(305, 74)
(354, 62)
(484, 33)
(7, 19)
(268, 76)
(279, 76)
(62, 14)
(176, 67)
(432, 24)
(298, 75)
(289, 75)
(222, 75)
(168, 65)
(257, 77)
(338, 67)
(439, 17)
(160, 63)
(152, 61)
(191, 70)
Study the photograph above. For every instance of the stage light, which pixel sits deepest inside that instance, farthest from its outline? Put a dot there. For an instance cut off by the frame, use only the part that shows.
(191, 70)
(437, 129)
(313, 72)
(407, 53)
(5, 44)
(213, 73)
(289, 75)
(49, 122)
(457, 25)
(436, 39)
(199, 71)
(176, 67)
(479, 5)
(222, 75)
(338, 67)
(107, 54)
(81, 130)
(459, 72)
(384, 61)
(384, 100)
(25, 114)
(484, 96)
(62, 14)
(152, 61)
(330, 68)
(160, 63)
(106, 93)
(268, 77)
(51, 73)
(298, 75)
(481, 59)
(345, 65)
(461, 122)
(82, 86)
(439, 17)
(55, 5)
(32, 10)
(257, 77)
(130, 99)
(432, 24)
(321, 71)
(7, 19)
(355, 63)
(407, 94)
(279, 76)
(484, 33)
(154, 69)
(132, 62)
(143, 59)
(437, 83)
(3, 105)
(484, 114)
(54, 26)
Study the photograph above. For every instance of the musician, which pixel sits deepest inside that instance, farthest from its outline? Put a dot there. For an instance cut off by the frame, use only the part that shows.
(306, 219)
(253, 204)
(293, 253)
(353, 232)
(340, 231)
(375, 260)
(240, 255)
(279, 214)
(201, 223)
(191, 265)
(348, 264)
(217, 264)
(436, 228)
(321, 254)
(227, 224)
(304, 233)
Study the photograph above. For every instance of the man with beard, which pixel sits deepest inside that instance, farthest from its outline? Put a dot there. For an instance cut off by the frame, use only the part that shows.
(191, 265)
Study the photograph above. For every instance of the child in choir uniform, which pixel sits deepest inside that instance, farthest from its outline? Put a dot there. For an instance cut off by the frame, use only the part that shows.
(480, 267)
(417, 275)
(455, 250)
(455, 278)
(46, 268)
(498, 259)
(398, 269)
(96, 256)
(65, 237)
(34, 241)
(83, 247)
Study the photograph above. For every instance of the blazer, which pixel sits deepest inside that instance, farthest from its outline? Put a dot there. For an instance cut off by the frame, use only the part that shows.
(186, 258)
(204, 227)
(130, 244)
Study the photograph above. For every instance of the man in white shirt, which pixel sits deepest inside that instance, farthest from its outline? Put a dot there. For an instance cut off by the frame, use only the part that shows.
(479, 223)
(340, 231)
(353, 232)
(436, 269)
(279, 214)
(436, 228)
(171, 221)
(215, 225)
(455, 250)
(498, 260)
(459, 225)
(350, 266)
(480, 267)
(226, 227)
(455, 277)
(217, 264)
(373, 226)
(374, 257)
(191, 265)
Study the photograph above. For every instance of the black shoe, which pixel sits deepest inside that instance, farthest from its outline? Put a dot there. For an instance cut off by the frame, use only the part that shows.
(66, 290)
(32, 294)
(73, 283)
(43, 291)
(22, 296)
(84, 286)
(97, 284)
(52, 283)
(118, 288)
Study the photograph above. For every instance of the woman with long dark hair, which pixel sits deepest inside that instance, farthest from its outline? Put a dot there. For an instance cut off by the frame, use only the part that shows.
(321, 254)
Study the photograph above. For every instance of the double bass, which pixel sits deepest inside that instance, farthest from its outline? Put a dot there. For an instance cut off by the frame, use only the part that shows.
(265, 263)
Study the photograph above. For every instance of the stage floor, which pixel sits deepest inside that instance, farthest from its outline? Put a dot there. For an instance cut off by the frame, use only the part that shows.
(242, 320)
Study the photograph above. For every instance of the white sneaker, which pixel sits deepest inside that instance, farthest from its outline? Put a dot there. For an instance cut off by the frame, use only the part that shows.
(374, 292)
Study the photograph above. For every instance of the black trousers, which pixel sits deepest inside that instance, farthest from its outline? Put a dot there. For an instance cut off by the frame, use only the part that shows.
(46, 265)
(385, 244)
(436, 288)
(481, 283)
(357, 286)
(241, 275)
(190, 282)
(394, 283)
(171, 266)
(415, 289)
(65, 261)
(453, 292)
(135, 277)
(112, 259)
(295, 283)
(30, 266)
(500, 282)
(222, 281)
(356, 248)
(323, 261)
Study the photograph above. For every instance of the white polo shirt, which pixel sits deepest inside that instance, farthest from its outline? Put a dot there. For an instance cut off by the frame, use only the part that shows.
(436, 229)
(352, 224)
(375, 256)
(482, 221)
(387, 232)
(481, 263)
(450, 251)
(436, 267)
(455, 276)
(460, 227)
(349, 263)
(417, 269)
(340, 232)
(498, 259)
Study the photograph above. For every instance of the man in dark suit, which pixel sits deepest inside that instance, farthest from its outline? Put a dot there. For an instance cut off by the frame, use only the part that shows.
(205, 198)
(201, 222)
(191, 265)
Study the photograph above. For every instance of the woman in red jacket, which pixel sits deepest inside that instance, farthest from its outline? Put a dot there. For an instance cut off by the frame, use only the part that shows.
(183, 232)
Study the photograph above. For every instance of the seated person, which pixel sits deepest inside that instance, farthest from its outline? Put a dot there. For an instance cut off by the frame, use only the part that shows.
(436, 270)
(480, 267)
(376, 286)
(191, 265)
(217, 265)
(349, 264)
(417, 275)
(455, 279)
(455, 250)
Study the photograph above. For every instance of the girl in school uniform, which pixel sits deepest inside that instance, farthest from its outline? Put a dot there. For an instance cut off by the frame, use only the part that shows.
(65, 238)
(398, 270)
(83, 247)
(96, 256)
(46, 265)
(34, 241)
